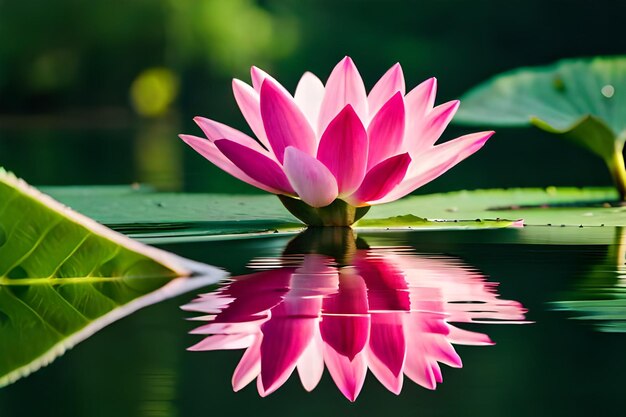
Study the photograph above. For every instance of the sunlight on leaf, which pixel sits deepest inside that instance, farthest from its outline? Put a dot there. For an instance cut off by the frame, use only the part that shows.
(63, 277)
(45, 240)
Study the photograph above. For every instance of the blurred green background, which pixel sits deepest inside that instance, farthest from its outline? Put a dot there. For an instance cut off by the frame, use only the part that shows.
(95, 92)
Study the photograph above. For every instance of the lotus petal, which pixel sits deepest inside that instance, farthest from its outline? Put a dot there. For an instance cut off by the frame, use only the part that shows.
(250, 105)
(285, 124)
(309, 95)
(388, 85)
(256, 165)
(386, 131)
(344, 87)
(341, 149)
(312, 181)
(381, 179)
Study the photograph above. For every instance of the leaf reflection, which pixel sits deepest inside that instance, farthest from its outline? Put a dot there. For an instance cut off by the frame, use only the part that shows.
(600, 296)
(331, 301)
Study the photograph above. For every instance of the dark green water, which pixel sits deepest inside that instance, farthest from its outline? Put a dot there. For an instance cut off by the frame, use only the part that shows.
(555, 366)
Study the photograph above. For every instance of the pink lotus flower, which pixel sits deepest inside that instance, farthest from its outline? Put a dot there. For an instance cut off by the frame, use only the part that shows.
(389, 311)
(331, 151)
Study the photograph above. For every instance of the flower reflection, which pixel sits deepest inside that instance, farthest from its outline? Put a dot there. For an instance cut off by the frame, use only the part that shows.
(385, 309)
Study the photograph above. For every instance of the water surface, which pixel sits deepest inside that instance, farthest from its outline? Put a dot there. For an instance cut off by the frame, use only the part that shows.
(558, 365)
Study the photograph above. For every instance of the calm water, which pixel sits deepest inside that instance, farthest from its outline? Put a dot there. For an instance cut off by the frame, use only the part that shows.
(509, 312)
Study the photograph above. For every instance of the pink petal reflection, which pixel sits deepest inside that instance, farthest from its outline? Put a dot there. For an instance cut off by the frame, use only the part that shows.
(348, 374)
(388, 310)
(387, 349)
(285, 337)
(345, 324)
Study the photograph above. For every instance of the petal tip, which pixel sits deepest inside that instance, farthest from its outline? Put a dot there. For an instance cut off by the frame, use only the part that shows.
(347, 63)
(237, 83)
(397, 96)
(268, 86)
(430, 83)
(348, 109)
(397, 68)
(484, 137)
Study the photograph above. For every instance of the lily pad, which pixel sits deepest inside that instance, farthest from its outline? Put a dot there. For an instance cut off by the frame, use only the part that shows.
(536, 206)
(582, 100)
(411, 221)
(169, 217)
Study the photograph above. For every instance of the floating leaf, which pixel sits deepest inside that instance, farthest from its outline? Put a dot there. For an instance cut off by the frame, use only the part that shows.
(537, 206)
(582, 100)
(168, 217)
(178, 216)
(63, 277)
(410, 221)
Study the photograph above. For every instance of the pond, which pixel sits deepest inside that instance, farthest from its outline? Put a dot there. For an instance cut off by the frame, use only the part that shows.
(147, 276)
(490, 322)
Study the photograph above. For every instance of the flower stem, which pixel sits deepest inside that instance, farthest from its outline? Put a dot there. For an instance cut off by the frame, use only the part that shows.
(618, 170)
(338, 213)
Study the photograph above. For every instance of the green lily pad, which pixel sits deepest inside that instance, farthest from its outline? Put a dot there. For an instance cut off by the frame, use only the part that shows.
(560, 94)
(582, 100)
(410, 221)
(170, 217)
(536, 206)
